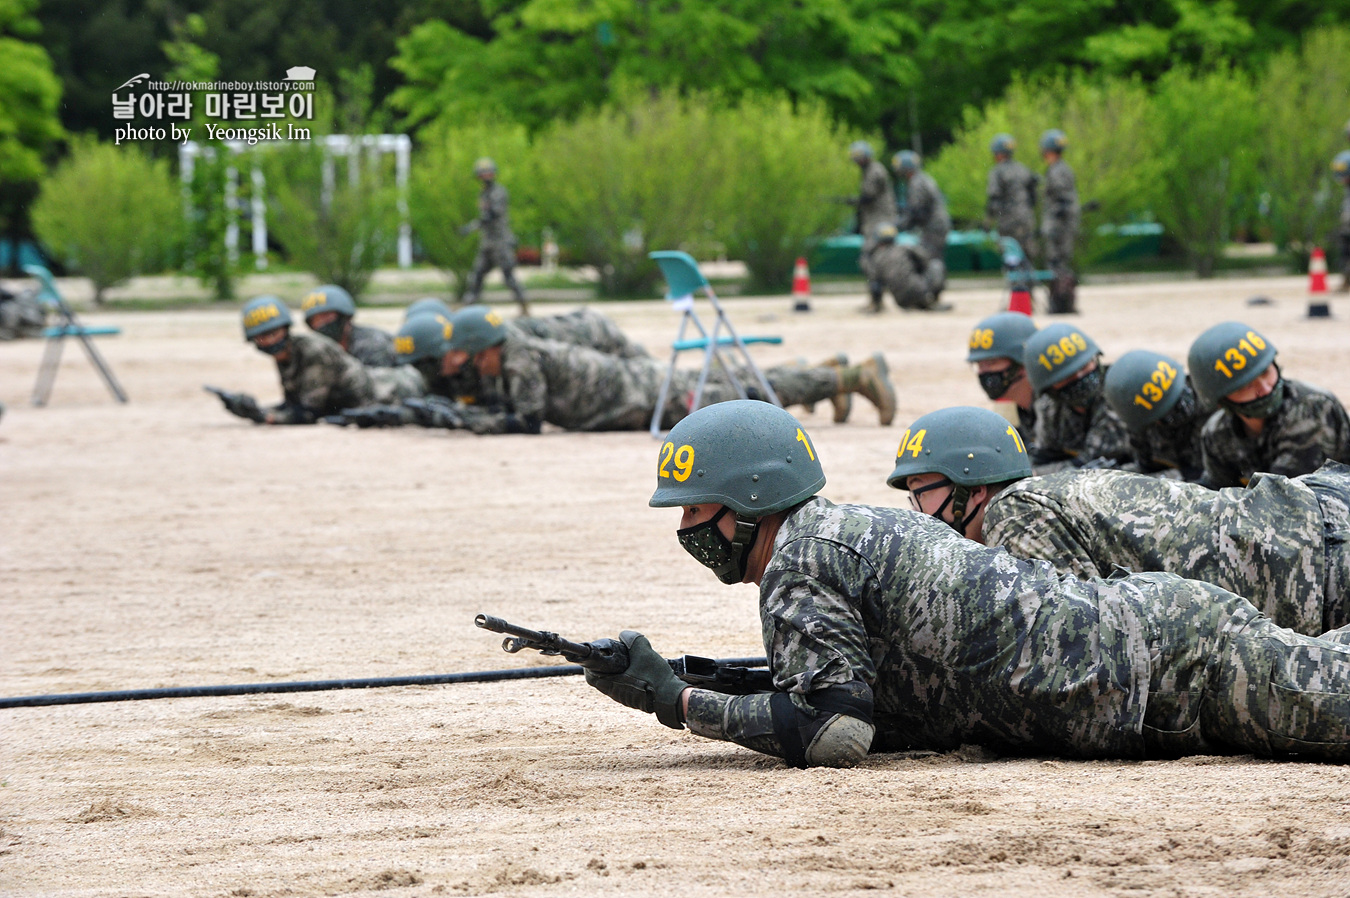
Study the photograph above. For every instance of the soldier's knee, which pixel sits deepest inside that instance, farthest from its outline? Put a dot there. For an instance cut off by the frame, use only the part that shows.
(843, 742)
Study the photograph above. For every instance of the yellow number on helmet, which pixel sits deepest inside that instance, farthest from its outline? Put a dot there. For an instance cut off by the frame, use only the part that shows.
(667, 450)
(684, 463)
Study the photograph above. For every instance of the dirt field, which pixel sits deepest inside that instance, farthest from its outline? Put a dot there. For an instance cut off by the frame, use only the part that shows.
(166, 543)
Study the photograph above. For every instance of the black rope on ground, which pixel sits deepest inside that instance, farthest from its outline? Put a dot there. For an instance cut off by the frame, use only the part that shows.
(478, 676)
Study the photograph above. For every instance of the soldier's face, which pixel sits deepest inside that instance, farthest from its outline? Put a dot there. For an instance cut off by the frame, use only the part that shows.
(1258, 388)
(1019, 391)
(929, 501)
(452, 361)
(322, 320)
(1076, 376)
(489, 362)
(696, 514)
(269, 341)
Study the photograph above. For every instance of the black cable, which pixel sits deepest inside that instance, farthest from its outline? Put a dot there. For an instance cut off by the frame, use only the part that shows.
(478, 676)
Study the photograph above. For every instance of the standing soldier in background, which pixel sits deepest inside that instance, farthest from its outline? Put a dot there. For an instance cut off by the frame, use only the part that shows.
(925, 211)
(1059, 222)
(1265, 422)
(875, 205)
(1340, 167)
(1010, 205)
(496, 242)
(329, 309)
(1154, 396)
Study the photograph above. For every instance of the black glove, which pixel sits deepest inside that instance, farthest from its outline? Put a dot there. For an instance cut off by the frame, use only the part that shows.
(648, 685)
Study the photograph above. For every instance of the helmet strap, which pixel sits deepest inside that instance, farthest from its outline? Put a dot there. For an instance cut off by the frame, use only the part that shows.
(743, 540)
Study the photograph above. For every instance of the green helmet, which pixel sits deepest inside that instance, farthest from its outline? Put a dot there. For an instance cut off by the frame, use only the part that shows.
(1002, 143)
(860, 151)
(1056, 352)
(475, 328)
(886, 232)
(422, 337)
(1141, 387)
(969, 446)
(1340, 166)
(484, 166)
(1000, 336)
(264, 314)
(1227, 357)
(1053, 141)
(906, 161)
(752, 457)
(328, 298)
(428, 304)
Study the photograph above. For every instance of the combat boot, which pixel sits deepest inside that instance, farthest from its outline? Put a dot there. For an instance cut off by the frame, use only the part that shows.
(872, 380)
(875, 293)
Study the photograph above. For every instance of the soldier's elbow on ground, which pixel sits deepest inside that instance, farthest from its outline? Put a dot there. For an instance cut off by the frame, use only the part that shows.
(842, 742)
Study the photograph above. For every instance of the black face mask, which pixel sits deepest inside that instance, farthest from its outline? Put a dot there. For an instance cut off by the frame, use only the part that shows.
(1264, 407)
(996, 383)
(724, 557)
(1179, 420)
(957, 498)
(333, 330)
(276, 348)
(430, 369)
(1081, 392)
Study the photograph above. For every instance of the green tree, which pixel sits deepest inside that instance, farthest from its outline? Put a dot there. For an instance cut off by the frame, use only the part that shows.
(779, 163)
(443, 193)
(110, 213)
(549, 59)
(335, 217)
(29, 99)
(1206, 133)
(1302, 96)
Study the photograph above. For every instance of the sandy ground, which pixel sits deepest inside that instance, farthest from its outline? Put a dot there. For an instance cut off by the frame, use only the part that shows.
(166, 543)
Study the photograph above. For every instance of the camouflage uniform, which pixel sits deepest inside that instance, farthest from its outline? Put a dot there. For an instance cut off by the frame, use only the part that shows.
(1343, 235)
(577, 388)
(1094, 433)
(1011, 201)
(900, 269)
(583, 327)
(1271, 543)
(1179, 448)
(875, 204)
(318, 379)
(371, 346)
(1059, 224)
(926, 210)
(891, 616)
(496, 243)
(1308, 428)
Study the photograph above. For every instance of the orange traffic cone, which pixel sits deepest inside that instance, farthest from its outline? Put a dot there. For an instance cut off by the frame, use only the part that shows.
(801, 286)
(1020, 300)
(1317, 284)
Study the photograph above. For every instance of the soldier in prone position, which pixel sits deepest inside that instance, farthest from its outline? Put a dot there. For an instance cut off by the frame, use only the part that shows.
(1064, 364)
(1265, 422)
(317, 377)
(1154, 397)
(1281, 543)
(329, 310)
(577, 388)
(886, 630)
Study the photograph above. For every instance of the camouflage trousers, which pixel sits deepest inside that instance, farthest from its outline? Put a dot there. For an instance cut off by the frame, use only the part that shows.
(1060, 238)
(1224, 678)
(493, 254)
(793, 384)
(1023, 230)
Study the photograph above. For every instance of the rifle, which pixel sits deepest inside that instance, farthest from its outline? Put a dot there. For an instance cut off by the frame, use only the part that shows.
(241, 404)
(733, 676)
(436, 411)
(368, 416)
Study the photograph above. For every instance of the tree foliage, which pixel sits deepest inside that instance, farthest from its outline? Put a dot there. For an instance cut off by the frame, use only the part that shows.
(30, 96)
(443, 193)
(110, 213)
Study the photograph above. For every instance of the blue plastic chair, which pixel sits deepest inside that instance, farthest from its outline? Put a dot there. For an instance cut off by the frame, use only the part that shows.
(683, 281)
(68, 326)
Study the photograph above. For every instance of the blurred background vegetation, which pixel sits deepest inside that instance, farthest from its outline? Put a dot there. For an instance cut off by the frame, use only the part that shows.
(625, 126)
